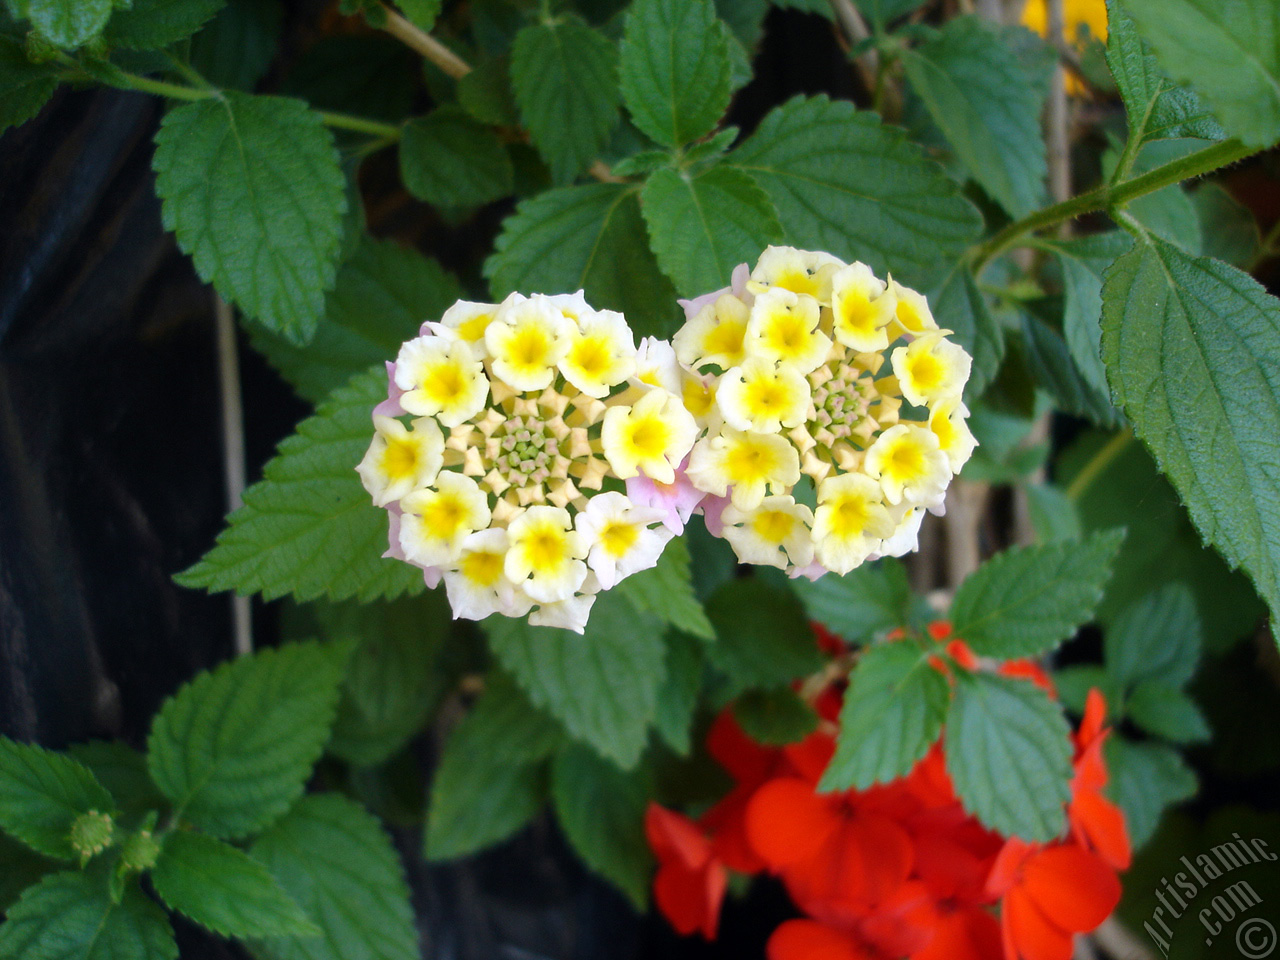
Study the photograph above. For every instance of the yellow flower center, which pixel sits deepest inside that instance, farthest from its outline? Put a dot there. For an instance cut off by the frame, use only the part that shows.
(618, 538)
(856, 314)
(797, 281)
(649, 438)
(444, 516)
(904, 461)
(445, 384)
(545, 548)
(848, 517)
(766, 397)
(529, 347)
(908, 315)
(773, 526)
(750, 461)
(400, 459)
(591, 355)
(927, 372)
(482, 568)
(474, 328)
(725, 338)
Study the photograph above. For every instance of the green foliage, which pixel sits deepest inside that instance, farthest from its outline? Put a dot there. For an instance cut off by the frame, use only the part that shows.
(1009, 755)
(237, 46)
(1191, 349)
(23, 867)
(485, 92)
(123, 771)
(674, 69)
(775, 717)
(308, 527)
(1156, 637)
(233, 748)
(564, 74)
(224, 889)
(1163, 710)
(666, 592)
(1027, 599)
(42, 794)
(882, 12)
(422, 13)
(334, 859)
(25, 87)
(68, 23)
(959, 305)
(1053, 514)
(1146, 778)
(153, 24)
(869, 600)
(1229, 229)
(762, 635)
(678, 695)
(1055, 369)
(252, 188)
(449, 158)
(893, 712)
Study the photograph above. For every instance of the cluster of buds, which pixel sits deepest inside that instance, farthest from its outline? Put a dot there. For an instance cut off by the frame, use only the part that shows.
(506, 447)
(815, 454)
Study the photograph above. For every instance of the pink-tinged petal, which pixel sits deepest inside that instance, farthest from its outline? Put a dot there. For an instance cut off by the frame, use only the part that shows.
(431, 577)
(691, 307)
(812, 572)
(390, 407)
(738, 280)
(677, 499)
(394, 550)
(712, 508)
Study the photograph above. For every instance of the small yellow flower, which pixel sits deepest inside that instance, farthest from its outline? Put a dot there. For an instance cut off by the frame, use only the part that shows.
(442, 379)
(715, 335)
(862, 307)
(800, 271)
(438, 519)
(477, 584)
(850, 521)
(744, 464)
(468, 321)
(911, 312)
(526, 340)
(546, 554)
(763, 396)
(601, 354)
(776, 533)
(784, 328)
(399, 460)
(948, 420)
(931, 369)
(909, 464)
(650, 437)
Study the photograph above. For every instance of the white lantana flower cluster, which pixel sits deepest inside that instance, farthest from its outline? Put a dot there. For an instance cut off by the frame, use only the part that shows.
(815, 453)
(527, 455)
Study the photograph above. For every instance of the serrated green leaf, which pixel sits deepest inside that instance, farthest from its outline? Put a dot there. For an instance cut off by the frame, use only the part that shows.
(237, 46)
(68, 23)
(233, 748)
(763, 637)
(678, 695)
(1157, 109)
(978, 94)
(602, 685)
(485, 92)
(590, 238)
(450, 159)
(703, 226)
(1053, 514)
(41, 795)
(1229, 228)
(381, 298)
(1156, 638)
(882, 12)
(1009, 756)
(152, 24)
(1027, 599)
(224, 889)
(1054, 369)
(25, 87)
(869, 600)
(422, 13)
(564, 74)
(23, 868)
(253, 190)
(674, 69)
(774, 717)
(844, 182)
(745, 18)
(601, 810)
(70, 916)
(1160, 708)
(1145, 779)
(123, 771)
(308, 527)
(1192, 348)
(959, 305)
(333, 857)
(892, 714)
(666, 592)
(1227, 51)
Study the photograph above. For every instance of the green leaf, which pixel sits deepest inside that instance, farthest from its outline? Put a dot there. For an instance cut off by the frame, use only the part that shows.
(485, 92)
(1227, 51)
(601, 810)
(225, 889)
(450, 159)
(704, 226)
(1053, 514)
(491, 778)
(1229, 228)
(892, 714)
(959, 305)
(253, 190)
(421, 13)
(123, 771)
(237, 46)
(334, 859)
(564, 74)
(41, 795)
(25, 87)
(1026, 599)
(382, 296)
(234, 747)
(602, 685)
(68, 23)
(1162, 709)
(1056, 371)
(678, 696)
(1074, 683)
(590, 238)
(308, 527)
(846, 183)
(1157, 637)
(1145, 779)
(152, 24)
(774, 717)
(978, 94)
(70, 916)
(763, 637)
(666, 592)
(674, 69)
(1192, 348)
(882, 12)
(23, 868)
(1157, 109)
(1009, 756)
(869, 600)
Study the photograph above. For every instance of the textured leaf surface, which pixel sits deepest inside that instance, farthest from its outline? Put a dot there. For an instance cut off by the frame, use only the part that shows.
(237, 46)
(763, 637)
(1156, 637)
(869, 600)
(448, 158)
(25, 87)
(42, 793)
(224, 889)
(774, 717)
(1145, 779)
(252, 188)
(666, 592)
(1163, 710)
(1026, 599)
(233, 748)
(703, 226)
(68, 23)
(978, 94)
(678, 695)
(1192, 348)
(674, 69)
(333, 857)
(152, 24)
(590, 238)
(70, 916)
(845, 183)
(892, 713)
(1054, 368)
(308, 527)
(123, 771)
(565, 77)
(1009, 756)
(602, 685)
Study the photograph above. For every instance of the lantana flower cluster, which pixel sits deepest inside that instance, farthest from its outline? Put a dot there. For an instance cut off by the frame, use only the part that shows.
(504, 448)
(829, 404)
(897, 870)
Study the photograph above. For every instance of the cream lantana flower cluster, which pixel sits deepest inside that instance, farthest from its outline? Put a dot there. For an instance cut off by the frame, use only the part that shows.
(527, 456)
(830, 412)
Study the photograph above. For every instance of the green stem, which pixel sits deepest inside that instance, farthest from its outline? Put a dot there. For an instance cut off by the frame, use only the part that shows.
(345, 121)
(1100, 461)
(1100, 198)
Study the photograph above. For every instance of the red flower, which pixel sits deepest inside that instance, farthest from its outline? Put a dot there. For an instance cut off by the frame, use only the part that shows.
(1097, 824)
(690, 884)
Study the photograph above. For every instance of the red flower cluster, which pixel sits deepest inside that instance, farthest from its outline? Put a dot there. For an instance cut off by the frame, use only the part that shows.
(898, 870)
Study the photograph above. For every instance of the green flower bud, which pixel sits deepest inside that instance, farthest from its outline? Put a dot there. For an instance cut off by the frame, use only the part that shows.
(91, 833)
(140, 852)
